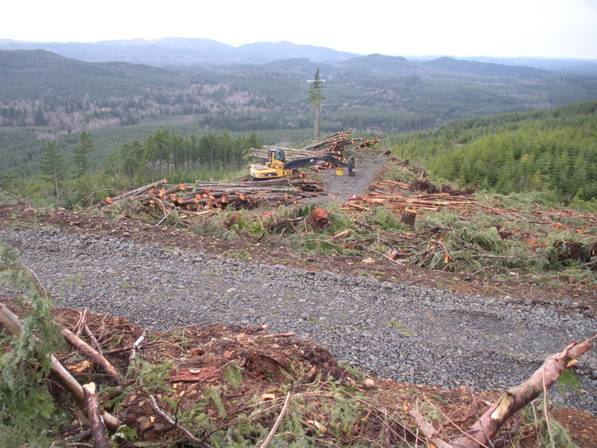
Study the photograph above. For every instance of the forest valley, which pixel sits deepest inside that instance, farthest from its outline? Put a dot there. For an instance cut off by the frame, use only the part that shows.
(502, 205)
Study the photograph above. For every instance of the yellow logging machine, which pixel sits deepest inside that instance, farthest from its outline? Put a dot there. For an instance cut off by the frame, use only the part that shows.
(277, 166)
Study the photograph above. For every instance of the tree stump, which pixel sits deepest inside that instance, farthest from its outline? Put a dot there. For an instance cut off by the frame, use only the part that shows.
(408, 217)
(318, 219)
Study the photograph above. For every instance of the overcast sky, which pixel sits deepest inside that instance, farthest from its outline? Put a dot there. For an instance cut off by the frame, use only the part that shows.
(552, 28)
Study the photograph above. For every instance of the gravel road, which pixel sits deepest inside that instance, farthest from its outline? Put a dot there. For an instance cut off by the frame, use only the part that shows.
(408, 333)
(340, 188)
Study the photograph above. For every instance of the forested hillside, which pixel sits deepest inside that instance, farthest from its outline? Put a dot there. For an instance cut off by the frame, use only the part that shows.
(552, 151)
(376, 92)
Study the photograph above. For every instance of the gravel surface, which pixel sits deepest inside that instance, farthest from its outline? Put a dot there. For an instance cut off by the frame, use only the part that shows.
(340, 188)
(408, 333)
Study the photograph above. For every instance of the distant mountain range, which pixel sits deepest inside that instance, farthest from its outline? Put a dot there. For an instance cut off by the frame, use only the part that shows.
(181, 52)
(32, 73)
(176, 52)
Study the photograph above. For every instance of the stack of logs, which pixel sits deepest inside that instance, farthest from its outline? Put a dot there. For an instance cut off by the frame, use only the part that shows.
(334, 144)
(206, 196)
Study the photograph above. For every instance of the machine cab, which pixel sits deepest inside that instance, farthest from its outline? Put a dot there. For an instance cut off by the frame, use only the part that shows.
(276, 154)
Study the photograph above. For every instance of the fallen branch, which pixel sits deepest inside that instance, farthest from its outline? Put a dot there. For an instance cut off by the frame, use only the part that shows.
(91, 336)
(12, 323)
(92, 354)
(82, 321)
(136, 345)
(277, 423)
(96, 421)
(487, 426)
(169, 420)
(428, 430)
(485, 429)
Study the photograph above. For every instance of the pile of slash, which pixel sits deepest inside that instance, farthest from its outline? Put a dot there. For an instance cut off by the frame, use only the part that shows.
(207, 197)
(216, 386)
(526, 229)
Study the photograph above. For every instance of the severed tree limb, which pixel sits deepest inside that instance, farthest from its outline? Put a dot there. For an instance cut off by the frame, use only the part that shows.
(82, 321)
(91, 336)
(194, 440)
(96, 421)
(12, 323)
(482, 433)
(92, 354)
(486, 428)
(428, 430)
(272, 432)
(136, 346)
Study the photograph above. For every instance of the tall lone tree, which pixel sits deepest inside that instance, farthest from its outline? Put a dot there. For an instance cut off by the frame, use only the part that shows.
(52, 167)
(316, 97)
(81, 154)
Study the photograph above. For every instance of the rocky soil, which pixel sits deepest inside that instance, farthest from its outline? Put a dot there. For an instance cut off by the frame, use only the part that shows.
(338, 189)
(408, 333)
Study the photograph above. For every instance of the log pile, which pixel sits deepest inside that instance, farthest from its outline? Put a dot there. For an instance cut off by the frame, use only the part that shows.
(208, 196)
(335, 144)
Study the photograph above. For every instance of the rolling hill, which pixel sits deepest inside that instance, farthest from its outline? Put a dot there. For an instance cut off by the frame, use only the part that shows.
(39, 73)
(46, 94)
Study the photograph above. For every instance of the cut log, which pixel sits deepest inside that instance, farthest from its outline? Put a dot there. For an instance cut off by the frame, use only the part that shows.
(96, 421)
(12, 323)
(318, 218)
(140, 190)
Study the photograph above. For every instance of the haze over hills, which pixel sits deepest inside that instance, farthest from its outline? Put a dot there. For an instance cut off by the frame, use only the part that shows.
(33, 73)
(181, 51)
(174, 51)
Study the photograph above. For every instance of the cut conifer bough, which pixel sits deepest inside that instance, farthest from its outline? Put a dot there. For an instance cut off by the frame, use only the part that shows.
(12, 323)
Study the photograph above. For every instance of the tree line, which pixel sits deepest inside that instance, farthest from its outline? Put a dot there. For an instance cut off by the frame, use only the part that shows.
(69, 178)
(554, 151)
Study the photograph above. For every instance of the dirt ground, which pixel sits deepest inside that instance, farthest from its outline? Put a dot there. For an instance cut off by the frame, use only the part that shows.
(369, 166)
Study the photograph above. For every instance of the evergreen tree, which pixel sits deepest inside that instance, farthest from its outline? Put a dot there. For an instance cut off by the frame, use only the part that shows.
(81, 154)
(52, 167)
(316, 97)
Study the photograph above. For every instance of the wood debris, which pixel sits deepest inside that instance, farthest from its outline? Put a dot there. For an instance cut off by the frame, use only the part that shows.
(335, 144)
(205, 197)
(401, 197)
(227, 370)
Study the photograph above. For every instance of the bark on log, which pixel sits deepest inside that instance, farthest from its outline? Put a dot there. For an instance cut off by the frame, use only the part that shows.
(12, 323)
(96, 421)
(92, 354)
(140, 190)
(482, 433)
(486, 428)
